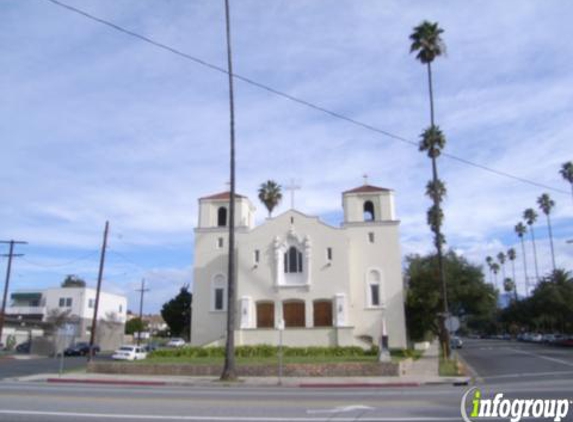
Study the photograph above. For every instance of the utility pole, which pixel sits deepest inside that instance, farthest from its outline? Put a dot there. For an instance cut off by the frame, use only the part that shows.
(142, 290)
(99, 277)
(10, 255)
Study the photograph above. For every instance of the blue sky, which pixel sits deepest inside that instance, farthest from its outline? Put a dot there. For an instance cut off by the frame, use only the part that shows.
(97, 125)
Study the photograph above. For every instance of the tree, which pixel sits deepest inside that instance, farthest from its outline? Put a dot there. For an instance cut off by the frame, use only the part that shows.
(495, 269)
(530, 217)
(509, 286)
(72, 280)
(135, 325)
(489, 262)
(521, 229)
(501, 259)
(567, 173)
(470, 297)
(229, 369)
(427, 42)
(177, 313)
(270, 195)
(511, 255)
(546, 204)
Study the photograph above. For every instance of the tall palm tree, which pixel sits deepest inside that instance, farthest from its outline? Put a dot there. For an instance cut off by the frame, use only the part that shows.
(521, 229)
(501, 259)
(567, 173)
(495, 269)
(530, 217)
(546, 204)
(427, 42)
(511, 255)
(229, 368)
(489, 262)
(509, 286)
(270, 195)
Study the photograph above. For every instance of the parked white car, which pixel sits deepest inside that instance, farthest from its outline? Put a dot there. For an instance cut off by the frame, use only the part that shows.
(129, 353)
(176, 342)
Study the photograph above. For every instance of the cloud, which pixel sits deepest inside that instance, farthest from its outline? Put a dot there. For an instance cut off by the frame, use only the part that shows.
(100, 126)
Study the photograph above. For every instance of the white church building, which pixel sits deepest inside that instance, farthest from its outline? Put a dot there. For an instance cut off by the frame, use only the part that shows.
(327, 286)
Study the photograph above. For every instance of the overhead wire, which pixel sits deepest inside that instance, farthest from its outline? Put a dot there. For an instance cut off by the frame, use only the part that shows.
(298, 100)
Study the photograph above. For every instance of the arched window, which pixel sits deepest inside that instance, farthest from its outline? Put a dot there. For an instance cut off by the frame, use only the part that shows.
(294, 313)
(222, 217)
(374, 289)
(322, 310)
(293, 260)
(265, 315)
(218, 293)
(368, 211)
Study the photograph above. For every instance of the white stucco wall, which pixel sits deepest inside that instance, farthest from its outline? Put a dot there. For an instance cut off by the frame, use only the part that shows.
(342, 280)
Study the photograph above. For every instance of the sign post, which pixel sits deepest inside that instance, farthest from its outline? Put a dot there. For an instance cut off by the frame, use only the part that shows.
(281, 327)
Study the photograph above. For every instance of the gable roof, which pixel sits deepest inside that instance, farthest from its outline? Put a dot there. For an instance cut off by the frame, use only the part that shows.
(222, 195)
(367, 189)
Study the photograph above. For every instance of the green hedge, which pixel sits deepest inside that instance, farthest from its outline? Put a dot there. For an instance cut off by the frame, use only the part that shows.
(264, 351)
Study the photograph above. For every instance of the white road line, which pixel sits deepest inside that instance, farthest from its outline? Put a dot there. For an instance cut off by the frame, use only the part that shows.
(217, 418)
(561, 361)
(528, 374)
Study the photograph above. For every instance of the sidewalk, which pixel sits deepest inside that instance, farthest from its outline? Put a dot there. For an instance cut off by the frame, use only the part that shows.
(423, 371)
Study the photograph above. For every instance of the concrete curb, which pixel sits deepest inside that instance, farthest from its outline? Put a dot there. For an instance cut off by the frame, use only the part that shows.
(245, 382)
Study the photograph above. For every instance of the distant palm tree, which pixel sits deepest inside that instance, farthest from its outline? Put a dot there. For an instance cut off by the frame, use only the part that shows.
(501, 259)
(521, 229)
(530, 217)
(495, 269)
(509, 286)
(567, 173)
(511, 255)
(427, 42)
(489, 262)
(546, 204)
(270, 195)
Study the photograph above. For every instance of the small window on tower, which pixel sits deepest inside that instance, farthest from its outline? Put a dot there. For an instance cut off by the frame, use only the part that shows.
(220, 242)
(257, 256)
(371, 237)
(329, 254)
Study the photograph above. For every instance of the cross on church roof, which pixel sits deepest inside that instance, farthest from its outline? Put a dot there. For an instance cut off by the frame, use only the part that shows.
(292, 187)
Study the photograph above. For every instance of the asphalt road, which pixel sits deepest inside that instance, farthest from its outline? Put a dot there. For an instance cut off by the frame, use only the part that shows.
(502, 361)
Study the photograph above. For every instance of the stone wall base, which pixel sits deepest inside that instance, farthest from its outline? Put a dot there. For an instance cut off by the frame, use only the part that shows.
(349, 369)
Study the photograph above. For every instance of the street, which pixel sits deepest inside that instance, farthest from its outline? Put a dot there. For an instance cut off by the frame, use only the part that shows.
(10, 368)
(518, 370)
(500, 361)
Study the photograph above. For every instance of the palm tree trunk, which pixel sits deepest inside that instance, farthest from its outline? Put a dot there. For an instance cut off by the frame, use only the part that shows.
(514, 279)
(503, 270)
(551, 241)
(534, 254)
(524, 267)
(445, 335)
(229, 370)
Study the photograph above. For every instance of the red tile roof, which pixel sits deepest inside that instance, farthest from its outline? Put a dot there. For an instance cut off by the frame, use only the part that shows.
(367, 189)
(222, 195)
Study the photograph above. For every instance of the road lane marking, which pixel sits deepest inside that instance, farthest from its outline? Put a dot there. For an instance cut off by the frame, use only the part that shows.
(529, 374)
(220, 418)
(341, 409)
(561, 361)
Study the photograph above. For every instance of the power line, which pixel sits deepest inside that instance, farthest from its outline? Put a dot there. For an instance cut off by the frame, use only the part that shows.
(298, 100)
(65, 264)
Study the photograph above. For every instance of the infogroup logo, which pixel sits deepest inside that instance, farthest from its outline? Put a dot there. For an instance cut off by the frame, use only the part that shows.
(475, 407)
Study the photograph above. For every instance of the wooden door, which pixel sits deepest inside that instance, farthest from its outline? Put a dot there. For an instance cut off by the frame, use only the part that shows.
(265, 315)
(293, 314)
(323, 313)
